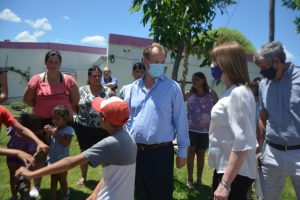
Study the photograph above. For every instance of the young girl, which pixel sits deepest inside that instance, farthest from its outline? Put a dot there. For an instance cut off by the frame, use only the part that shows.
(60, 136)
(20, 142)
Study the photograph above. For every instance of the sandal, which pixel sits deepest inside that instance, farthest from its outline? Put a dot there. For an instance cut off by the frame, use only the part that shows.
(190, 184)
(81, 181)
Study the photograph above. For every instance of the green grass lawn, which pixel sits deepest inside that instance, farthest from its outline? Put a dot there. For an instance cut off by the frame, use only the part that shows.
(94, 174)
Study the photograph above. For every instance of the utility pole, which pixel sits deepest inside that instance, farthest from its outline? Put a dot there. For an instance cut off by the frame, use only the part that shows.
(271, 20)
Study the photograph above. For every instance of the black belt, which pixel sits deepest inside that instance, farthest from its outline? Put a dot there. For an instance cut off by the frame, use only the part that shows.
(282, 147)
(145, 147)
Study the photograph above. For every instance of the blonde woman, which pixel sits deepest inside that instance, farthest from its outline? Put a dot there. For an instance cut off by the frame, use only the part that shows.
(232, 132)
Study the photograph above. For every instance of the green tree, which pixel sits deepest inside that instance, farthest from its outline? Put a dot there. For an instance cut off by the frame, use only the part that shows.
(294, 5)
(226, 34)
(177, 24)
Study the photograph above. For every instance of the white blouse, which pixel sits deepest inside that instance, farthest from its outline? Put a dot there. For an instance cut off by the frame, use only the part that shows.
(233, 128)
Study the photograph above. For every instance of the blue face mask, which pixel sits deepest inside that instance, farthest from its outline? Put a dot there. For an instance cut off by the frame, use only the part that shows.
(216, 72)
(269, 73)
(155, 70)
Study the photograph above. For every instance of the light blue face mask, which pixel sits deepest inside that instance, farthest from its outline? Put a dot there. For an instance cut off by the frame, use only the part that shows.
(155, 70)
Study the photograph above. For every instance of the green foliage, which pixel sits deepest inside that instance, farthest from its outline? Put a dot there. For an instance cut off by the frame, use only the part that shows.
(225, 34)
(294, 5)
(176, 24)
(18, 105)
(25, 74)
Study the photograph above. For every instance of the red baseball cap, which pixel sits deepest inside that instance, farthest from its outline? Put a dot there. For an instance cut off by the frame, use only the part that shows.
(115, 110)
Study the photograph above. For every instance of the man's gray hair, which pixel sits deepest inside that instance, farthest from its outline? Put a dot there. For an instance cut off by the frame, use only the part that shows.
(269, 51)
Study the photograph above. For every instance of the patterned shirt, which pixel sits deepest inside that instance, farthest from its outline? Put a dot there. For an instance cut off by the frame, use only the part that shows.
(198, 109)
(87, 116)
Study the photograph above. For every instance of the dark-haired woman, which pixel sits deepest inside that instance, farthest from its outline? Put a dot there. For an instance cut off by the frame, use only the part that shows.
(87, 127)
(200, 100)
(46, 90)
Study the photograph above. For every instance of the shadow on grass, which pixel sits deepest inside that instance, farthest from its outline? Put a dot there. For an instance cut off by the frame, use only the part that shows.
(192, 194)
(91, 184)
(74, 193)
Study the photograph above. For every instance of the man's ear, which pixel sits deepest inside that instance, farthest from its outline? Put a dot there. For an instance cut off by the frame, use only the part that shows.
(101, 120)
(145, 61)
(276, 62)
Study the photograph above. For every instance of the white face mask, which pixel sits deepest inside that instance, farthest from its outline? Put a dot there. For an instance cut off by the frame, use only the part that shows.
(155, 70)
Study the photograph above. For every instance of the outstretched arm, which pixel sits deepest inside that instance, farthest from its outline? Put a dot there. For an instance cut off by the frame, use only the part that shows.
(55, 168)
(28, 133)
(27, 158)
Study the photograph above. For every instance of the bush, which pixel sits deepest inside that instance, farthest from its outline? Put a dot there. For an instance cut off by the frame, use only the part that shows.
(18, 106)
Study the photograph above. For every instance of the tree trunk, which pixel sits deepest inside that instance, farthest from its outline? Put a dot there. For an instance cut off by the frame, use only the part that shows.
(271, 20)
(185, 69)
(177, 61)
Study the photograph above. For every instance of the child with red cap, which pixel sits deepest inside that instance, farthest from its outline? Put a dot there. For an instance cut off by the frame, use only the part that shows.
(116, 153)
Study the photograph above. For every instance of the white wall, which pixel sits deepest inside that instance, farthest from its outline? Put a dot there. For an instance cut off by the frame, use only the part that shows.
(74, 62)
(125, 57)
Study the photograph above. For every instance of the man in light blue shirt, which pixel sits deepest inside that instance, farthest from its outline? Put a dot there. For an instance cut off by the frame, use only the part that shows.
(279, 123)
(157, 115)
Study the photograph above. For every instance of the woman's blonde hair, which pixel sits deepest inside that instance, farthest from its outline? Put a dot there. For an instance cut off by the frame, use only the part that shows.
(231, 57)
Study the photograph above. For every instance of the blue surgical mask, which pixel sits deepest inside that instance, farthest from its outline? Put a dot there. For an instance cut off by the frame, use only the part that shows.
(155, 70)
(269, 73)
(216, 72)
